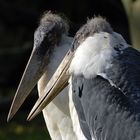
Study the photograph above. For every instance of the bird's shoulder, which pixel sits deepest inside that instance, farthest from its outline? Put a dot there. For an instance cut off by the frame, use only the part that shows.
(103, 105)
(124, 74)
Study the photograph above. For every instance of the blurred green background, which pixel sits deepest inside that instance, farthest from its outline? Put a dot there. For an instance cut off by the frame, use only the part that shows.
(18, 21)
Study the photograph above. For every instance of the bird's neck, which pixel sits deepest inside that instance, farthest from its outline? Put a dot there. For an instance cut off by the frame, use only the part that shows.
(95, 54)
(87, 60)
(56, 57)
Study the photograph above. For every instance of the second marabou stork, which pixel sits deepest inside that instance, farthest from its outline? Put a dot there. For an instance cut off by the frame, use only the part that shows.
(104, 84)
(51, 43)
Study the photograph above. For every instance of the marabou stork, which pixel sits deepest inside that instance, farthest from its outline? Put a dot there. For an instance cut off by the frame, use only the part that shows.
(51, 43)
(104, 83)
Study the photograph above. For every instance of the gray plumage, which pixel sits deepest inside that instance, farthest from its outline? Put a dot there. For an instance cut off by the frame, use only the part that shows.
(108, 106)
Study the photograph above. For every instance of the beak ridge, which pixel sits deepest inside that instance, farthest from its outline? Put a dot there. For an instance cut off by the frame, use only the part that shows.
(57, 83)
(31, 75)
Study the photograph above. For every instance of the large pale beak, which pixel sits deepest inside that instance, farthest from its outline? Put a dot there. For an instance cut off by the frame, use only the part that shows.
(57, 83)
(34, 70)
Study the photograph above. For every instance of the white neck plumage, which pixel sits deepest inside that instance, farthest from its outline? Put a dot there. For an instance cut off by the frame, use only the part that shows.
(95, 54)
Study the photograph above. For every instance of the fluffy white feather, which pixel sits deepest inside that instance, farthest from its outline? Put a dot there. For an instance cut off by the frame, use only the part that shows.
(95, 54)
(57, 114)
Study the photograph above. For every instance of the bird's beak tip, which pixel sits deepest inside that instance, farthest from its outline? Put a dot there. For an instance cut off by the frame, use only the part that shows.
(33, 113)
(10, 115)
(30, 116)
(9, 118)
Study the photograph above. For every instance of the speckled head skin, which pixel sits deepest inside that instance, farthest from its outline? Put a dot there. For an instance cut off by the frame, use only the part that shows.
(49, 33)
(50, 30)
(94, 25)
(60, 22)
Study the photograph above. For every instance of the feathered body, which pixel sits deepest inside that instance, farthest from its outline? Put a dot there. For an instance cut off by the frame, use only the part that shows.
(105, 84)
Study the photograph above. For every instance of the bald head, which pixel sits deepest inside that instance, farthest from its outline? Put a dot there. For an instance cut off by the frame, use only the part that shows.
(50, 18)
(94, 25)
(50, 30)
